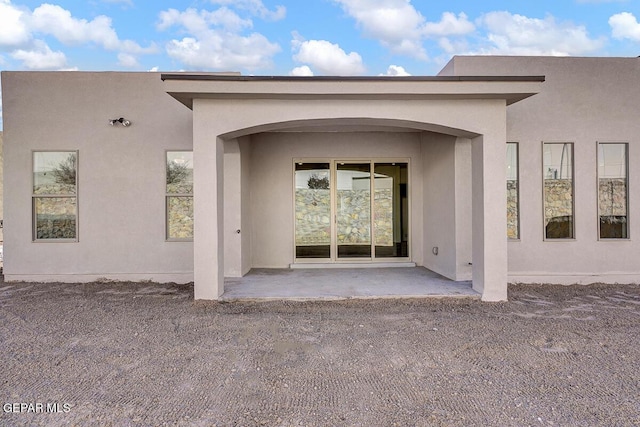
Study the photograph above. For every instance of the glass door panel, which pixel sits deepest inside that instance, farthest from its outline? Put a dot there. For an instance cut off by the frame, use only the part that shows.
(353, 210)
(313, 210)
(391, 210)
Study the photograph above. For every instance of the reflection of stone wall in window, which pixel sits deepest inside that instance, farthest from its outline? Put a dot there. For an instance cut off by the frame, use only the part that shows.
(180, 217)
(354, 221)
(313, 212)
(383, 216)
(613, 196)
(558, 208)
(558, 198)
(55, 217)
(612, 199)
(512, 209)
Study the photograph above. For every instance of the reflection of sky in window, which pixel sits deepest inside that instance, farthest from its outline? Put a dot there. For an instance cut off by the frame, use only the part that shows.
(46, 161)
(612, 161)
(181, 158)
(512, 161)
(557, 161)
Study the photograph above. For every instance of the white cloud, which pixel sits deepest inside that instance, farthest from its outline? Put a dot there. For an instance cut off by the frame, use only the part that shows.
(512, 34)
(128, 60)
(13, 28)
(153, 69)
(40, 57)
(328, 58)
(22, 31)
(255, 7)
(449, 25)
(625, 26)
(303, 70)
(54, 20)
(395, 71)
(201, 21)
(215, 41)
(396, 24)
(219, 51)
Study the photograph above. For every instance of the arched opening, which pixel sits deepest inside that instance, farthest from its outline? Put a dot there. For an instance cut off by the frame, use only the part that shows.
(391, 190)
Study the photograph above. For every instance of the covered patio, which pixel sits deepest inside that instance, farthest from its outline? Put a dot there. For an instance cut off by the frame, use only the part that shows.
(344, 283)
(247, 132)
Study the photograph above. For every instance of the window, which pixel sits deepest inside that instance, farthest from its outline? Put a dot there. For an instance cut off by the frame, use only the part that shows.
(558, 190)
(54, 198)
(613, 190)
(179, 195)
(513, 204)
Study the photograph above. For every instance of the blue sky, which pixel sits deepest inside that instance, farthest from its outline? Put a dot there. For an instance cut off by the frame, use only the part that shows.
(305, 37)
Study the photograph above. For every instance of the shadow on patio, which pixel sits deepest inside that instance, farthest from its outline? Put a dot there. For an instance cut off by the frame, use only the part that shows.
(344, 283)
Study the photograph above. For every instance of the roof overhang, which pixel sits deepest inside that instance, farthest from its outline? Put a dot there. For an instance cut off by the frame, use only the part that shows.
(186, 87)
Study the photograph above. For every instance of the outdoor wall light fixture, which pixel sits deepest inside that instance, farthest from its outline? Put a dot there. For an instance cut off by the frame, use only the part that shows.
(124, 122)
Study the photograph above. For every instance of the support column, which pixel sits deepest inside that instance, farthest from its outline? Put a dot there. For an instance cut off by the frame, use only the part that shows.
(489, 224)
(208, 195)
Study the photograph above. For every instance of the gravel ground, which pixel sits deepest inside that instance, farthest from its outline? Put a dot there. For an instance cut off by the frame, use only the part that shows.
(145, 354)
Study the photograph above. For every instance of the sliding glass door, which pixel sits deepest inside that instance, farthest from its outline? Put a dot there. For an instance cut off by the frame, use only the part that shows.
(391, 210)
(351, 210)
(313, 210)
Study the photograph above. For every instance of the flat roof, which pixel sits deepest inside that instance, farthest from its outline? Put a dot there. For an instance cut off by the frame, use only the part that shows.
(185, 87)
(238, 78)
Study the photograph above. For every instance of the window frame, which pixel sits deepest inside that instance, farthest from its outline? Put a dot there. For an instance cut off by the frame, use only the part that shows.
(174, 195)
(627, 171)
(34, 196)
(573, 194)
(518, 229)
(333, 258)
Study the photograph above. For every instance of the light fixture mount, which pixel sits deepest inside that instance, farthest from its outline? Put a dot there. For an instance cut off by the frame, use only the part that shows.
(124, 122)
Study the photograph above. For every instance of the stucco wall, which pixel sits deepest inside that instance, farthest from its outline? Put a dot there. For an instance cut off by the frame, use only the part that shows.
(584, 100)
(447, 205)
(439, 204)
(1, 186)
(272, 203)
(121, 188)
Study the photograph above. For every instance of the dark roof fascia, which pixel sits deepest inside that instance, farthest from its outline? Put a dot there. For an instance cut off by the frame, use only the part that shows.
(236, 78)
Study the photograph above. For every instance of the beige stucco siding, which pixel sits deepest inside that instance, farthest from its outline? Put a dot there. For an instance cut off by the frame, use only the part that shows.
(585, 100)
(272, 182)
(120, 174)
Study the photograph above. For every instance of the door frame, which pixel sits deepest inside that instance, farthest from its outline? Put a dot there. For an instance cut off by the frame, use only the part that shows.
(333, 256)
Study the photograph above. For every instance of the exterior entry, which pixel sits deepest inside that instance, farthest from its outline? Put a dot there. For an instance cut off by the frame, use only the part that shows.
(351, 210)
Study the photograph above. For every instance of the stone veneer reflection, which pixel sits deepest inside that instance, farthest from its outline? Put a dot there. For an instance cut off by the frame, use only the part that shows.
(313, 217)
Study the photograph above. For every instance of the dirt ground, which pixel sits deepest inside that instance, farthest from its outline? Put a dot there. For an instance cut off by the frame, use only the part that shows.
(128, 354)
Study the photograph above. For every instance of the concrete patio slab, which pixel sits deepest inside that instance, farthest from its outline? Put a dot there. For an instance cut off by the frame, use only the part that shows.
(336, 284)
